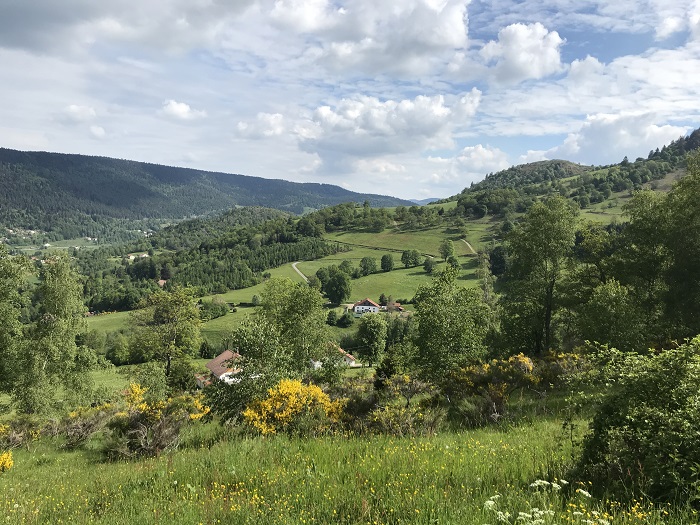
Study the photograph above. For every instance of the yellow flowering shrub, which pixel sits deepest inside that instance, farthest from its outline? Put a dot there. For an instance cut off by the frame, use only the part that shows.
(292, 407)
(6, 461)
(147, 428)
(496, 380)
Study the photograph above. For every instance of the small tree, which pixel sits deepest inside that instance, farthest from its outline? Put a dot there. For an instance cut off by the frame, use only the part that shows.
(410, 258)
(429, 265)
(447, 249)
(368, 265)
(387, 262)
(332, 318)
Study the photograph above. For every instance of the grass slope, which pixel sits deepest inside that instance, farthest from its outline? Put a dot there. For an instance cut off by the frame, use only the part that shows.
(219, 478)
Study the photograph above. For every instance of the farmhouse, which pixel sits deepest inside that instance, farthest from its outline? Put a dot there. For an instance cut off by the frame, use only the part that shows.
(220, 368)
(364, 306)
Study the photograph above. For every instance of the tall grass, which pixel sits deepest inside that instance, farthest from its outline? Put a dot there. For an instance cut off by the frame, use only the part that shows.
(341, 479)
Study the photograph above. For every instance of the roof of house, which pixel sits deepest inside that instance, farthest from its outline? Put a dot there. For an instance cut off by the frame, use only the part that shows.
(218, 365)
(365, 302)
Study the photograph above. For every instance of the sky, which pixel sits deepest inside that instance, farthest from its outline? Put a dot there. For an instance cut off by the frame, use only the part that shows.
(410, 98)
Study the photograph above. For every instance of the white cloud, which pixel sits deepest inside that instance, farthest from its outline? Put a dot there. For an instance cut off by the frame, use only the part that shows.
(181, 111)
(303, 15)
(365, 127)
(76, 114)
(407, 37)
(97, 132)
(605, 139)
(264, 125)
(471, 164)
(523, 52)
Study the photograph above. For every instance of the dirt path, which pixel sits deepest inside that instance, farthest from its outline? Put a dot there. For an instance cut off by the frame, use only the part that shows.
(465, 242)
(294, 265)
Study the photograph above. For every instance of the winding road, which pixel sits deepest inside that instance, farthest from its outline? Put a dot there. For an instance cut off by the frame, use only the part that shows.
(463, 240)
(294, 265)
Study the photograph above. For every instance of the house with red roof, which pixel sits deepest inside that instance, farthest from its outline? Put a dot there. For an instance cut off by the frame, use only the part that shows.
(365, 306)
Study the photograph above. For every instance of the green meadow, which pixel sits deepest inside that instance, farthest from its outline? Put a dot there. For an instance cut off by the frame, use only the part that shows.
(218, 476)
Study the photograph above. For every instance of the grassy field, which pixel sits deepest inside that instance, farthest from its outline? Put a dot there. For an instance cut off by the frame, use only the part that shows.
(220, 478)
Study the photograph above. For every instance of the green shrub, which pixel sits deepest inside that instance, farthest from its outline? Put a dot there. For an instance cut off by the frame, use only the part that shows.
(643, 437)
(400, 421)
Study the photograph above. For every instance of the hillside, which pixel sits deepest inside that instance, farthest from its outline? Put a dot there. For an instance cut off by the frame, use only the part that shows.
(514, 189)
(53, 191)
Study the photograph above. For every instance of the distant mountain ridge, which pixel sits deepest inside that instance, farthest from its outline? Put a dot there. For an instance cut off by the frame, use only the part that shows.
(36, 186)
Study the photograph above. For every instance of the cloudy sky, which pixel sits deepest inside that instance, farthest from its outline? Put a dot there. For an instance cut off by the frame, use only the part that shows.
(412, 98)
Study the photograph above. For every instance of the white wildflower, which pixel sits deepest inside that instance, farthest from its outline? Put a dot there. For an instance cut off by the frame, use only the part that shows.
(556, 486)
(584, 493)
(503, 516)
(539, 483)
(490, 504)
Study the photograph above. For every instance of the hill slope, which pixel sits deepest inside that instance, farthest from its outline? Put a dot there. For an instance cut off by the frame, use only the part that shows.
(35, 187)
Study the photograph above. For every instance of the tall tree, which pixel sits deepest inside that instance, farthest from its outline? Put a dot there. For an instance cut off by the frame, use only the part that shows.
(539, 247)
(51, 368)
(452, 324)
(167, 327)
(682, 241)
(371, 336)
(12, 271)
(338, 287)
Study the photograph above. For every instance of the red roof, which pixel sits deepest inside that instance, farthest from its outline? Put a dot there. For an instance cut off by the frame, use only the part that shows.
(366, 302)
(219, 365)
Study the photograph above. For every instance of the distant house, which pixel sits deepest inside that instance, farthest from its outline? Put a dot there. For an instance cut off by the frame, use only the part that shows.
(162, 282)
(348, 359)
(393, 307)
(366, 305)
(221, 369)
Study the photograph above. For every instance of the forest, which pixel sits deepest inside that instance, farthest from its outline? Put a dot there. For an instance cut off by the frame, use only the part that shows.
(549, 377)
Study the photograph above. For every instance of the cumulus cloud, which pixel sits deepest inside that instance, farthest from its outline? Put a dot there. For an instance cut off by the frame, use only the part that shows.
(523, 52)
(410, 36)
(181, 111)
(471, 164)
(366, 127)
(264, 125)
(605, 138)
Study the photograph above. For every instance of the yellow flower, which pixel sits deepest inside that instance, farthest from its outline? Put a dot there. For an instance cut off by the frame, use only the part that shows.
(6, 461)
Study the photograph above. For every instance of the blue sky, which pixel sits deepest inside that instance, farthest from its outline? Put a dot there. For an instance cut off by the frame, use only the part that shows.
(412, 98)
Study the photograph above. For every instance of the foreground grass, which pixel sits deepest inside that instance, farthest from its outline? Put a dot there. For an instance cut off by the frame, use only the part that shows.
(348, 480)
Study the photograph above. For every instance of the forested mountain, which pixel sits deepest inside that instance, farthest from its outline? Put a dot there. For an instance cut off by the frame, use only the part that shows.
(516, 188)
(53, 191)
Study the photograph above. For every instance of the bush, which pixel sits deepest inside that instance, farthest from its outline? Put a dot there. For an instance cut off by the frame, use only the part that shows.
(83, 423)
(402, 421)
(148, 428)
(293, 408)
(346, 320)
(19, 432)
(494, 381)
(643, 438)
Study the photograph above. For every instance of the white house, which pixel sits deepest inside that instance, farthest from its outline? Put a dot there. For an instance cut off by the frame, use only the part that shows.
(366, 305)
